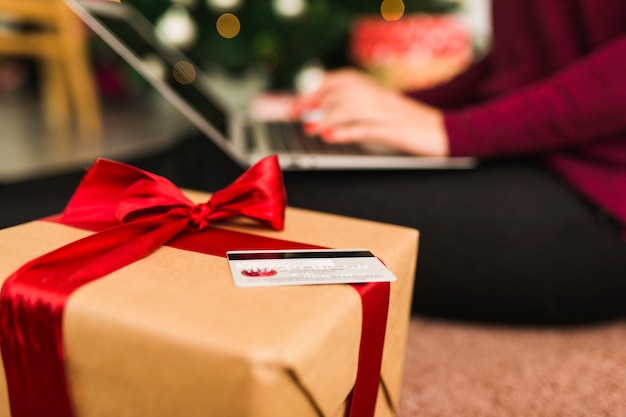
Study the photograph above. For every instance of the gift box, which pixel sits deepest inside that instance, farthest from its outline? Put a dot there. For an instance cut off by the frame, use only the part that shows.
(170, 334)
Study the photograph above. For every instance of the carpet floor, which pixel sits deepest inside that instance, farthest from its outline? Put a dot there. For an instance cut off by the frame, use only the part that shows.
(472, 370)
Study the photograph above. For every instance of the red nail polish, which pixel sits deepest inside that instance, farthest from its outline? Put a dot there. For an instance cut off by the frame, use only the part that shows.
(309, 128)
(328, 134)
(312, 104)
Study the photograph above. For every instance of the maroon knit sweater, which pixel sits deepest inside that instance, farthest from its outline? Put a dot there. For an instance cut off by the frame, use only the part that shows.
(554, 85)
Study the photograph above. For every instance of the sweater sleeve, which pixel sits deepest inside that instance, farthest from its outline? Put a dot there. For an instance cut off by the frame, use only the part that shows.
(584, 102)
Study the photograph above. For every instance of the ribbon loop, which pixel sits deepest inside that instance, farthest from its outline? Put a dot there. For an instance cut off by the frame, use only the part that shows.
(254, 195)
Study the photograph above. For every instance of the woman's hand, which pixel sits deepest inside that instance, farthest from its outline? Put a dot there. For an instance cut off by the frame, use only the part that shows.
(351, 107)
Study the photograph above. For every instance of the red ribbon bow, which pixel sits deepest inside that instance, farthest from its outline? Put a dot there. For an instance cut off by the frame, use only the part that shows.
(143, 211)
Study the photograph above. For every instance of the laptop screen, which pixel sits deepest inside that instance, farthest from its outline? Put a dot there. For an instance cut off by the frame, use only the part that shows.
(179, 74)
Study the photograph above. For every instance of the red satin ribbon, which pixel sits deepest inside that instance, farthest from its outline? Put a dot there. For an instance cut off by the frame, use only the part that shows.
(135, 213)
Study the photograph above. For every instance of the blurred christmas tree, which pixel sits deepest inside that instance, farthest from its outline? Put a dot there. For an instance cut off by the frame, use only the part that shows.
(277, 37)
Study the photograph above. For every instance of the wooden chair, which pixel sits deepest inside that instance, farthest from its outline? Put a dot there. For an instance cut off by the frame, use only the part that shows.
(58, 43)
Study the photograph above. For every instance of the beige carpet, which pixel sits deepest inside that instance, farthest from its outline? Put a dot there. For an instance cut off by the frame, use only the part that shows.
(468, 370)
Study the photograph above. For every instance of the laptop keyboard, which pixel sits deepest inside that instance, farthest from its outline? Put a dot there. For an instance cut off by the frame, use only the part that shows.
(289, 136)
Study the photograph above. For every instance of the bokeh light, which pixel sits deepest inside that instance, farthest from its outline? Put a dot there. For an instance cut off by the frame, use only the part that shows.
(392, 9)
(228, 25)
(224, 4)
(289, 8)
(310, 77)
(184, 72)
(155, 64)
(176, 27)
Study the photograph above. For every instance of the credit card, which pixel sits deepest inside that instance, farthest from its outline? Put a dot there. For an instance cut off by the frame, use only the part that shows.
(271, 268)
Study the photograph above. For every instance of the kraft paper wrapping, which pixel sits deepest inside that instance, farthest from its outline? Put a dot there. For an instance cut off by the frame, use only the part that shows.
(172, 335)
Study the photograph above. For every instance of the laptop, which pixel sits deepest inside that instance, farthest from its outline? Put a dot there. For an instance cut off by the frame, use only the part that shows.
(242, 138)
